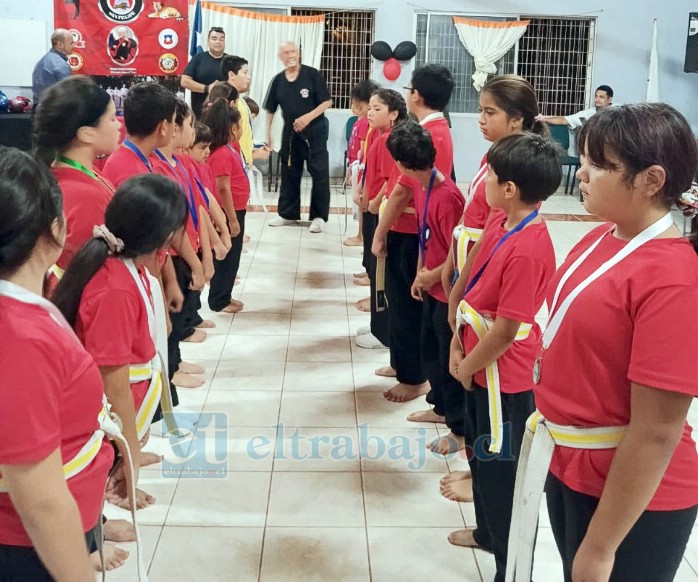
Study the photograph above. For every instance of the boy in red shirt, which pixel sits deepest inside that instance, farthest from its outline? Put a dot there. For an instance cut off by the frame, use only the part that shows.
(396, 234)
(494, 347)
(439, 205)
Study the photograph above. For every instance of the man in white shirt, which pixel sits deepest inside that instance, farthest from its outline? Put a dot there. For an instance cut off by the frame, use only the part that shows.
(603, 97)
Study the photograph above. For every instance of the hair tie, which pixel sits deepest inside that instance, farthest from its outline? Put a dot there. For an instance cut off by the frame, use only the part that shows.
(115, 245)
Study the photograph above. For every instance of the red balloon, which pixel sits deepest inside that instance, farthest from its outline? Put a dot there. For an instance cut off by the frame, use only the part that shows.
(391, 69)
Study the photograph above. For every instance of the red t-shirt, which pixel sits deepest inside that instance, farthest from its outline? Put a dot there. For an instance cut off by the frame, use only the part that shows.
(84, 202)
(50, 396)
(124, 164)
(201, 176)
(112, 322)
(180, 175)
(358, 136)
(513, 285)
(99, 163)
(476, 208)
(443, 213)
(636, 323)
(379, 163)
(441, 138)
(226, 161)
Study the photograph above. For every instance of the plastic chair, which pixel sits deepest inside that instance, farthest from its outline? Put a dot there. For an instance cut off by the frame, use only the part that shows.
(561, 134)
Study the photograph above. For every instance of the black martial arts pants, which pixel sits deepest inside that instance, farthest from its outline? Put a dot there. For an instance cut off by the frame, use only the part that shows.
(221, 285)
(380, 322)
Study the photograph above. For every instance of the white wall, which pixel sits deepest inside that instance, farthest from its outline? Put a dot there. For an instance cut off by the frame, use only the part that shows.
(621, 57)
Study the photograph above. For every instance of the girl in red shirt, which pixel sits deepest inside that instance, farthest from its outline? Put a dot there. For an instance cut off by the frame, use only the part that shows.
(105, 295)
(76, 123)
(232, 193)
(50, 394)
(621, 355)
(494, 347)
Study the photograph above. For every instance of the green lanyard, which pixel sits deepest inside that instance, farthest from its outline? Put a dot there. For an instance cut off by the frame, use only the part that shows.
(83, 169)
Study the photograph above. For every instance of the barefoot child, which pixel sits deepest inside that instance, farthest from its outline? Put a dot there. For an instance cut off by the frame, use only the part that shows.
(493, 349)
(439, 205)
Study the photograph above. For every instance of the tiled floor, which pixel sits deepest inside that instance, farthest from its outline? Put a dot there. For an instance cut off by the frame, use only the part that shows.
(325, 479)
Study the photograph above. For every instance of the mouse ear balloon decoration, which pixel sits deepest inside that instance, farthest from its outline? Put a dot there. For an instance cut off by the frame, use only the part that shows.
(405, 51)
(391, 69)
(381, 50)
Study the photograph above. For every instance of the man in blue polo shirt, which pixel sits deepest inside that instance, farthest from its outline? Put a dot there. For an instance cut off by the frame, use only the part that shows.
(53, 66)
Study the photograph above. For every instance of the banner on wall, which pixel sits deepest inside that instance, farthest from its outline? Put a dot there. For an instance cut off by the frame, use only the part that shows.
(125, 37)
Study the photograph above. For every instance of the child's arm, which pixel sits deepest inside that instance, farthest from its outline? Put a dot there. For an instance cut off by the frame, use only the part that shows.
(448, 271)
(223, 185)
(216, 244)
(173, 294)
(205, 239)
(183, 247)
(375, 204)
(459, 287)
(218, 217)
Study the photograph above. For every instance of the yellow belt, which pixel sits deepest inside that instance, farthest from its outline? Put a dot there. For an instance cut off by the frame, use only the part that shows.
(466, 315)
(537, 449)
(462, 236)
(151, 371)
(381, 209)
(84, 456)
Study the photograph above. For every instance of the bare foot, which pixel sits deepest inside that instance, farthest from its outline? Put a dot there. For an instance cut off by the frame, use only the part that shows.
(360, 275)
(463, 538)
(197, 337)
(245, 250)
(386, 372)
(206, 324)
(363, 305)
(353, 241)
(406, 392)
(149, 459)
(245, 239)
(362, 281)
(113, 558)
(451, 443)
(454, 476)
(425, 416)
(119, 530)
(234, 306)
(143, 499)
(183, 380)
(458, 490)
(189, 368)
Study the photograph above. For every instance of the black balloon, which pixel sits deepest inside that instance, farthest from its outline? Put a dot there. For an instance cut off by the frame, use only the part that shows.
(380, 50)
(405, 51)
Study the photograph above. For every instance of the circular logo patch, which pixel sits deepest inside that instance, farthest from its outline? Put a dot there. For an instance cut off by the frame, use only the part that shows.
(75, 61)
(168, 38)
(168, 63)
(121, 10)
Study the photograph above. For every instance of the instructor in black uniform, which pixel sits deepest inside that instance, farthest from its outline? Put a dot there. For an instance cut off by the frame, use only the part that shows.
(303, 96)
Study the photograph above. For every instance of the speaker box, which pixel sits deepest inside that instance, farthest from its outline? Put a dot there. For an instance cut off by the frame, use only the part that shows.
(691, 63)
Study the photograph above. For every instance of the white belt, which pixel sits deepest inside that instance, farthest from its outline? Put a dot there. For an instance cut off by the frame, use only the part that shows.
(534, 462)
(408, 210)
(140, 373)
(466, 315)
(462, 237)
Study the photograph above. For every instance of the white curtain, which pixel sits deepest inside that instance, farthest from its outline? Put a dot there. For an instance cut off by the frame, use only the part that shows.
(257, 37)
(487, 42)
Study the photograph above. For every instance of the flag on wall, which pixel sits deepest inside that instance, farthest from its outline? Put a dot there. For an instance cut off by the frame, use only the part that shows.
(195, 45)
(653, 75)
(126, 37)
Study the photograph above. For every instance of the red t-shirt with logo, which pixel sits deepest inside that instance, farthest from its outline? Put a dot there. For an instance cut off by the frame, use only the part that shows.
(112, 321)
(513, 285)
(443, 214)
(634, 324)
(50, 397)
(476, 208)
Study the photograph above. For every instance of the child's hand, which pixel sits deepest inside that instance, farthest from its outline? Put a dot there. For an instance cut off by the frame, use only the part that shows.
(174, 296)
(425, 279)
(220, 250)
(197, 278)
(363, 201)
(207, 265)
(234, 228)
(455, 357)
(374, 205)
(260, 154)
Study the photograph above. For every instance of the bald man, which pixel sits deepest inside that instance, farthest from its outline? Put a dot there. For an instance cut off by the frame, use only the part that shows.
(303, 96)
(53, 66)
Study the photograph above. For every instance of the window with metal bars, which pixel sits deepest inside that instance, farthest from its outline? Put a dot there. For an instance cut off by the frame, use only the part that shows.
(346, 51)
(554, 54)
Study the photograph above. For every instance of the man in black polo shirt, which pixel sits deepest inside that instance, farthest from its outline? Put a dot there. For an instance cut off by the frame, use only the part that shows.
(204, 69)
(303, 96)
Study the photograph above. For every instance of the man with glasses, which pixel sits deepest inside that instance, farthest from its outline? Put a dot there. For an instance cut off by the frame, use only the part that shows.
(204, 69)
